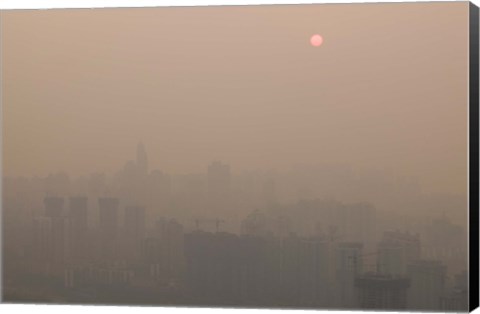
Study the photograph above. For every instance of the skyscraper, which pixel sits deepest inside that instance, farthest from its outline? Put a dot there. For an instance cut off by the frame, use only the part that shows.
(396, 251)
(142, 159)
(78, 225)
(166, 251)
(219, 179)
(135, 222)
(349, 265)
(108, 226)
(427, 284)
(50, 243)
(53, 206)
(379, 292)
(51, 232)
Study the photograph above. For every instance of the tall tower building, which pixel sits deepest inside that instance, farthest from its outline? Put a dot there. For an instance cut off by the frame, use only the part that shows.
(108, 226)
(53, 206)
(78, 215)
(135, 222)
(52, 233)
(218, 179)
(427, 285)
(133, 232)
(379, 292)
(396, 251)
(43, 244)
(51, 245)
(142, 159)
(168, 258)
(349, 265)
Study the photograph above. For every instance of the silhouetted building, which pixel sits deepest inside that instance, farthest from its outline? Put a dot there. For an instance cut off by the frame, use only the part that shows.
(108, 226)
(456, 298)
(255, 224)
(53, 206)
(159, 188)
(50, 244)
(427, 285)
(43, 243)
(219, 179)
(219, 188)
(358, 223)
(133, 231)
(379, 292)
(165, 253)
(135, 222)
(305, 271)
(213, 267)
(223, 268)
(98, 277)
(396, 251)
(142, 159)
(349, 265)
(78, 221)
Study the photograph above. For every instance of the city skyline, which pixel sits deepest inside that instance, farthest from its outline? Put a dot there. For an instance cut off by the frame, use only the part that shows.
(277, 100)
(224, 157)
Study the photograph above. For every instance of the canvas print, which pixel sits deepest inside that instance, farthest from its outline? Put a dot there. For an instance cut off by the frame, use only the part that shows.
(274, 156)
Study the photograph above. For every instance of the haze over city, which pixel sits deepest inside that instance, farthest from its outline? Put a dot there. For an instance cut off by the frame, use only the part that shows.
(200, 84)
(213, 156)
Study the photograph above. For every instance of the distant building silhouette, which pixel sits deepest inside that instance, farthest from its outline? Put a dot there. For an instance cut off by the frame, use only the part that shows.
(108, 226)
(379, 292)
(50, 243)
(142, 159)
(349, 265)
(219, 188)
(427, 284)
(133, 231)
(164, 252)
(54, 206)
(456, 298)
(219, 179)
(396, 251)
(135, 222)
(78, 222)
(51, 234)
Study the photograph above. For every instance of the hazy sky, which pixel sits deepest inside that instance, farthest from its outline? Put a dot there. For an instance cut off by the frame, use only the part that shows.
(386, 90)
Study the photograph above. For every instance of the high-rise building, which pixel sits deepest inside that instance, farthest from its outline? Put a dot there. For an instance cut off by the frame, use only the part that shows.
(427, 285)
(53, 206)
(456, 298)
(51, 234)
(165, 251)
(108, 226)
(349, 265)
(134, 223)
(50, 243)
(159, 192)
(358, 223)
(219, 179)
(305, 271)
(142, 159)
(380, 292)
(133, 231)
(42, 239)
(218, 187)
(213, 266)
(396, 251)
(78, 216)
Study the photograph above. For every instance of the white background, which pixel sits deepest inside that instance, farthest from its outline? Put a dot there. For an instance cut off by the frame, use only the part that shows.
(44, 4)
